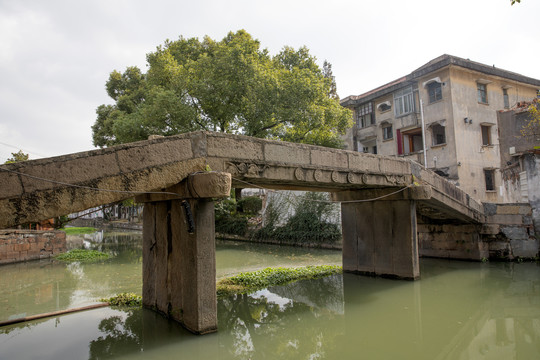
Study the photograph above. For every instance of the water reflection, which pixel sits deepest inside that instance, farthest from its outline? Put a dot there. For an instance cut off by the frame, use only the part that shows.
(289, 322)
(48, 285)
(458, 310)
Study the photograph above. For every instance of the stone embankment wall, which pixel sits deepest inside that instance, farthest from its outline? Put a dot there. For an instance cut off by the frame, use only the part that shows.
(509, 231)
(507, 234)
(23, 245)
(451, 241)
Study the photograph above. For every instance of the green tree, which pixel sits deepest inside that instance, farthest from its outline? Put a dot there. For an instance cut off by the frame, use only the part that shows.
(531, 130)
(230, 86)
(16, 157)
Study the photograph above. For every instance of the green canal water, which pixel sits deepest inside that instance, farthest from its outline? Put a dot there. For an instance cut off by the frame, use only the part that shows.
(458, 310)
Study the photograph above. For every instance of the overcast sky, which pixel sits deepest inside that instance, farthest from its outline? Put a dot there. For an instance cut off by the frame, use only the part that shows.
(56, 55)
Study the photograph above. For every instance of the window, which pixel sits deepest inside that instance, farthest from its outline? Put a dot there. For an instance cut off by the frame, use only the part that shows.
(365, 115)
(505, 98)
(374, 150)
(385, 106)
(410, 142)
(489, 175)
(482, 93)
(404, 101)
(387, 132)
(365, 149)
(434, 91)
(438, 134)
(486, 135)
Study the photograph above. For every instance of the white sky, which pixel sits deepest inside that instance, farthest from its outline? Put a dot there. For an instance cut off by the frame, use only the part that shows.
(56, 55)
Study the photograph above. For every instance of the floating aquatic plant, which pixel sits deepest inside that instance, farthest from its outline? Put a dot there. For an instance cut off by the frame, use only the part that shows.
(82, 255)
(256, 280)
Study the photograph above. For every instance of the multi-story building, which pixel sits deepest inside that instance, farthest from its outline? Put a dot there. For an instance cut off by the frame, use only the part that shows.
(458, 100)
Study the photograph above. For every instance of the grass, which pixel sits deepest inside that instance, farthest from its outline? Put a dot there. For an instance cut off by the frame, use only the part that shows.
(257, 280)
(82, 255)
(79, 230)
(124, 299)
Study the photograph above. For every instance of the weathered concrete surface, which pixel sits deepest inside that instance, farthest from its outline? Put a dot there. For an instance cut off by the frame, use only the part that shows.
(24, 245)
(179, 263)
(379, 238)
(160, 163)
(136, 167)
(450, 241)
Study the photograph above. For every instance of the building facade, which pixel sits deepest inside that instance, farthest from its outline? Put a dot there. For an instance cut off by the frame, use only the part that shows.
(458, 100)
(520, 159)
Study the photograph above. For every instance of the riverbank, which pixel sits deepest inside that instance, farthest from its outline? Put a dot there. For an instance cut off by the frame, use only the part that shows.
(313, 245)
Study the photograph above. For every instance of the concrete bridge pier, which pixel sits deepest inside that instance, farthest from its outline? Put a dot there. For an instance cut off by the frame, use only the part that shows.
(179, 254)
(380, 237)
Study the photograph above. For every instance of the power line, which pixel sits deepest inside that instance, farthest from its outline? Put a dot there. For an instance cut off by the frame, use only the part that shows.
(26, 151)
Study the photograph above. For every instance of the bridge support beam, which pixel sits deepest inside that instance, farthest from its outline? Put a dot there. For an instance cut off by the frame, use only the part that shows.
(380, 237)
(179, 254)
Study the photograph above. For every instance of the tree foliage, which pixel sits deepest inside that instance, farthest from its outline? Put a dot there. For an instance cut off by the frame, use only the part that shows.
(16, 157)
(531, 130)
(230, 86)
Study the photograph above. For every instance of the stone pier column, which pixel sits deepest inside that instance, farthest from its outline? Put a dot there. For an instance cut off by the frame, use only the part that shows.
(179, 257)
(380, 237)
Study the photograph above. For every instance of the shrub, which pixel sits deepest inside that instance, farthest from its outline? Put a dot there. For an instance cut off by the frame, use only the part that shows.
(250, 205)
(310, 222)
(228, 221)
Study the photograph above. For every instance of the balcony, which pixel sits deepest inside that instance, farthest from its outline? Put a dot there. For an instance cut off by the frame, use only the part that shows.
(407, 121)
(366, 133)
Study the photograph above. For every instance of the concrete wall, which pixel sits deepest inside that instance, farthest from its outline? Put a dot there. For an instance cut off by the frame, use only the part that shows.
(441, 157)
(508, 234)
(23, 245)
(473, 156)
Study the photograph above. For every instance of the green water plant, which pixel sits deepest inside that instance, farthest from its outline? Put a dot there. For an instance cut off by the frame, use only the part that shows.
(124, 299)
(82, 255)
(248, 282)
(79, 230)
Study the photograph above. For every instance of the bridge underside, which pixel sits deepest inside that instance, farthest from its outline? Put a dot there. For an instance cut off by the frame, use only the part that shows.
(382, 199)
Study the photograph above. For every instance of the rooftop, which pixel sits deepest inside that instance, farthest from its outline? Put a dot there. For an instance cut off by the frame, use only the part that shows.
(433, 65)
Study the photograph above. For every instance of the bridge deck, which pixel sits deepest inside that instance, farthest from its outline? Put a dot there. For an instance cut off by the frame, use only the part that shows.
(40, 189)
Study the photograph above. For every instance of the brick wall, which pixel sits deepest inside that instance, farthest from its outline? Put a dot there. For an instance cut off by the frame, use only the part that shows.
(23, 245)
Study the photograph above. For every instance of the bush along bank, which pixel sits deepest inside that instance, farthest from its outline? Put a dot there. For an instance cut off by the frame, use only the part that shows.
(309, 225)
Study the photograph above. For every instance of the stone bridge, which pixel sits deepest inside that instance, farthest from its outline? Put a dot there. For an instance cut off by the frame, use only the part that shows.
(383, 201)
